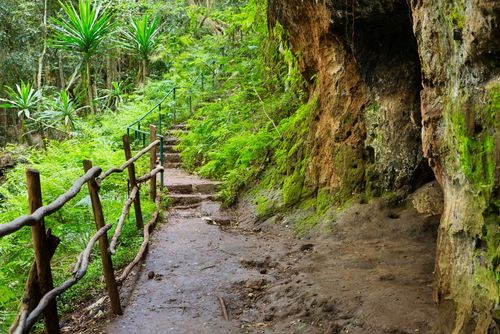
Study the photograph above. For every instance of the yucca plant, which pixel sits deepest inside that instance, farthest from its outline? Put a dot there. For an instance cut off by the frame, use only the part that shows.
(114, 96)
(62, 110)
(82, 31)
(24, 99)
(140, 39)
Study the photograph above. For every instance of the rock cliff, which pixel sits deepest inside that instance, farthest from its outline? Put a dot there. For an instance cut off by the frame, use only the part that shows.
(409, 92)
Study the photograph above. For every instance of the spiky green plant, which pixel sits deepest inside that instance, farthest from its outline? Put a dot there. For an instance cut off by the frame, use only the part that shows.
(140, 39)
(114, 96)
(24, 99)
(82, 30)
(62, 110)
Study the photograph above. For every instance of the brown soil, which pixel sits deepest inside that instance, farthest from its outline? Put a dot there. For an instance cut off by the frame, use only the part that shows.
(370, 272)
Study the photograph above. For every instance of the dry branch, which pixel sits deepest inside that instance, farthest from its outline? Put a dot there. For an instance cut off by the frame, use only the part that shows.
(223, 308)
(152, 174)
(147, 231)
(121, 220)
(22, 322)
(48, 297)
(39, 214)
(128, 162)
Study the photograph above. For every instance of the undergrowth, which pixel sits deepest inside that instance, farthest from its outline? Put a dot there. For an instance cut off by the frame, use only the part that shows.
(257, 111)
(60, 164)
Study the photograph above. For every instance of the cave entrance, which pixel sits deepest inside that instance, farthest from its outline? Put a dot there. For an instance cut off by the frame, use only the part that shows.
(385, 49)
(386, 52)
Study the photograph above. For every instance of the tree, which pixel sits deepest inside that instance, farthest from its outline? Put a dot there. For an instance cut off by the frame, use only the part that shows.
(141, 40)
(25, 99)
(82, 31)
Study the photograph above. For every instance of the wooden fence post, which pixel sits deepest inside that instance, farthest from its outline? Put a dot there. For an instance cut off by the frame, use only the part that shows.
(133, 182)
(152, 162)
(41, 247)
(31, 295)
(107, 264)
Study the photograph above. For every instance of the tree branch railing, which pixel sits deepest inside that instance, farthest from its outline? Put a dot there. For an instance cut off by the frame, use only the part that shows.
(40, 213)
(40, 295)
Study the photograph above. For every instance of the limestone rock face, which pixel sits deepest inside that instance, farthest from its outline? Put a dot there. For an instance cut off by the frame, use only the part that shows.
(366, 132)
(459, 47)
(404, 85)
(428, 199)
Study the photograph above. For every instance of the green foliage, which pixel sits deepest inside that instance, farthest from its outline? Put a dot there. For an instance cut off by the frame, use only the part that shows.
(24, 98)
(60, 165)
(114, 96)
(62, 111)
(141, 38)
(256, 108)
(83, 29)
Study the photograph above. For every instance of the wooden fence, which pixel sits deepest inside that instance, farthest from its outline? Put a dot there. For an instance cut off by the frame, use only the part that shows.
(40, 295)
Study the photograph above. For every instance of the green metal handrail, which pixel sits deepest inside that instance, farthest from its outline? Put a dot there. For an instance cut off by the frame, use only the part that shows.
(135, 127)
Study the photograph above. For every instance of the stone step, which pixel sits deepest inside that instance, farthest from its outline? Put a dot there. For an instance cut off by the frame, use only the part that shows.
(180, 188)
(182, 126)
(172, 157)
(172, 132)
(185, 199)
(173, 165)
(206, 188)
(202, 188)
(171, 141)
(170, 149)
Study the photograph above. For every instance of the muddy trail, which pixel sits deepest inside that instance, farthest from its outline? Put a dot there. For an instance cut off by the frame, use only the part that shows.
(211, 270)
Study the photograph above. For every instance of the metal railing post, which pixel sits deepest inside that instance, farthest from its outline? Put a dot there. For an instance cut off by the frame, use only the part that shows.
(175, 105)
(162, 160)
(137, 137)
(152, 162)
(190, 103)
(160, 117)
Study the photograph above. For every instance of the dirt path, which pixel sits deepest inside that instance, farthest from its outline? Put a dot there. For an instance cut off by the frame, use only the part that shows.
(371, 273)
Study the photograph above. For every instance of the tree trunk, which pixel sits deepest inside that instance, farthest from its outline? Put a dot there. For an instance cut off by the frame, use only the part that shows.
(89, 84)
(62, 80)
(144, 69)
(44, 51)
(109, 72)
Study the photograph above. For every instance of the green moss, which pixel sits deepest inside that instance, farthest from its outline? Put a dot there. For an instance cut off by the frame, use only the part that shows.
(349, 166)
(473, 152)
(306, 224)
(263, 206)
(292, 187)
(324, 201)
(457, 17)
(491, 252)
(474, 140)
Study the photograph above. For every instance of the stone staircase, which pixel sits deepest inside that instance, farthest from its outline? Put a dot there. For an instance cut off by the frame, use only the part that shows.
(185, 190)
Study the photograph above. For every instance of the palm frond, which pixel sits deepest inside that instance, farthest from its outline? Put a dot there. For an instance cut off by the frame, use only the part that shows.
(24, 98)
(141, 37)
(83, 28)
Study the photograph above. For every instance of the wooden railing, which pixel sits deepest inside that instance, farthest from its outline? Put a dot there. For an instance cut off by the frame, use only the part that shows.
(40, 295)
